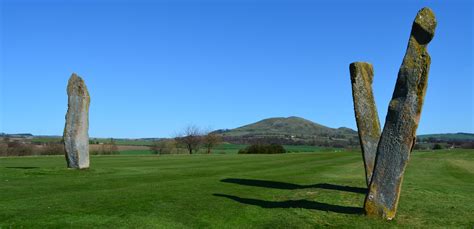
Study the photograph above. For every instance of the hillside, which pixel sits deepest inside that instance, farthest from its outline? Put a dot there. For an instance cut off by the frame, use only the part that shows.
(290, 130)
(455, 137)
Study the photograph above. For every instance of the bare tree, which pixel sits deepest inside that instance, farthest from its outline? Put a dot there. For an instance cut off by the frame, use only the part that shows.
(157, 146)
(165, 146)
(4, 146)
(190, 138)
(19, 148)
(211, 140)
(52, 148)
(109, 148)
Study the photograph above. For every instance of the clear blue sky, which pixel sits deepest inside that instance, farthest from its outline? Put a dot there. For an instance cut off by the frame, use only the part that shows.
(153, 68)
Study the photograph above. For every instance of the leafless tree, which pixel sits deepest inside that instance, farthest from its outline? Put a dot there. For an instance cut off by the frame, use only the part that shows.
(165, 146)
(157, 146)
(4, 146)
(108, 148)
(19, 148)
(211, 140)
(52, 148)
(190, 138)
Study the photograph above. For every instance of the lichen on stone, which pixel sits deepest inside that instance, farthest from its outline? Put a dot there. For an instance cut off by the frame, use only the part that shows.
(399, 134)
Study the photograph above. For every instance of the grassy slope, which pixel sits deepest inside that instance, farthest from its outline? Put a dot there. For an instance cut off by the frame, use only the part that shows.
(448, 137)
(287, 126)
(180, 191)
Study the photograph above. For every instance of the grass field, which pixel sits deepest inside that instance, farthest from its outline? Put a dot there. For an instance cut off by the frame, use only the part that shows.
(128, 142)
(226, 148)
(297, 190)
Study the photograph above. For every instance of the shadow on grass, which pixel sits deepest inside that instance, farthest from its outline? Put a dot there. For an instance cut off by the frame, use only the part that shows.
(306, 204)
(22, 167)
(289, 186)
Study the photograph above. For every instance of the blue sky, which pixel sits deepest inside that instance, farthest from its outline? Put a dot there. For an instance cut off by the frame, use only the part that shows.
(154, 67)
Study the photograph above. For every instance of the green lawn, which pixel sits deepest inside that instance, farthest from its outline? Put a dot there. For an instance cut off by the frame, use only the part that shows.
(227, 148)
(297, 190)
(136, 152)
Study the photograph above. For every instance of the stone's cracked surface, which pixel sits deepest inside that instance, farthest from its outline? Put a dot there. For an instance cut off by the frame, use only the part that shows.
(76, 130)
(365, 110)
(399, 133)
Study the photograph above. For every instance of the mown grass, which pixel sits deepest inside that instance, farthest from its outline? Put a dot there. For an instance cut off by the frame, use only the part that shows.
(227, 148)
(298, 190)
(135, 152)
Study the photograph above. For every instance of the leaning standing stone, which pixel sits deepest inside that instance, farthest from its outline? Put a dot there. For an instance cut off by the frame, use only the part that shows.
(399, 133)
(76, 136)
(368, 124)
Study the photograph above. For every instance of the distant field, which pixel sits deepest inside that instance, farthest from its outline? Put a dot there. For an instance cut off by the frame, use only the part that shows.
(227, 148)
(128, 142)
(303, 190)
(448, 137)
(135, 152)
(45, 140)
(234, 148)
(122, 148)
(135, 147)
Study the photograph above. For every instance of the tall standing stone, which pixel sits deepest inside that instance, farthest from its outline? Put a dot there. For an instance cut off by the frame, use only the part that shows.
(367, 118)
(76, 130)
(399, 133)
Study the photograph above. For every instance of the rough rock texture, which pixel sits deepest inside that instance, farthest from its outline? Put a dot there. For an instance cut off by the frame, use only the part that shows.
(367, 118)
(399, 133)
(76, 136)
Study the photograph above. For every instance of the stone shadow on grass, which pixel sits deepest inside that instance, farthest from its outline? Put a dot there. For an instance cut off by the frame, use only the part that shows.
(306, 204)
(289, 186)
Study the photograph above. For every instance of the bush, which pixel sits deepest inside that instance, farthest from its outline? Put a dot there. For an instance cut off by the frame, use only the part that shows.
(163, 147)
(17, 148)
(263, 149)
(422, 146)
(437, 146)
(3, 149)
(467, 145)
(53, 149)
(105, 149)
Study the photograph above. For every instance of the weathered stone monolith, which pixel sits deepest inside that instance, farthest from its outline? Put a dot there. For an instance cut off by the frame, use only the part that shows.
(76, 130)
(367, 118)
(399, 133)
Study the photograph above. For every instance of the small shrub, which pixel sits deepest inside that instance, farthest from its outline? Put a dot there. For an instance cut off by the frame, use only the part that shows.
(437, 146)
(108, 149)
(263, 149)
(163, 147)
(467, 145)
(3, 149)
(17, 148)
(421, 146)
(53, 149)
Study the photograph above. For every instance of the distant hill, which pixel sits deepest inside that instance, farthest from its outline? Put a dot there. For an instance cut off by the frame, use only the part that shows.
(291, 126)
(454, 137)
(20, 135)
(290, 130)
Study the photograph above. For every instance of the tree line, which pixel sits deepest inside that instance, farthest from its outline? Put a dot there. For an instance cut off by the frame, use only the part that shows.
(191, 138)
(24, 147)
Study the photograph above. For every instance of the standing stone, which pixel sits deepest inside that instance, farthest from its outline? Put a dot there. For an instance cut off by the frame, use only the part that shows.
(399, 133)
(367, 118)
(76, 136)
